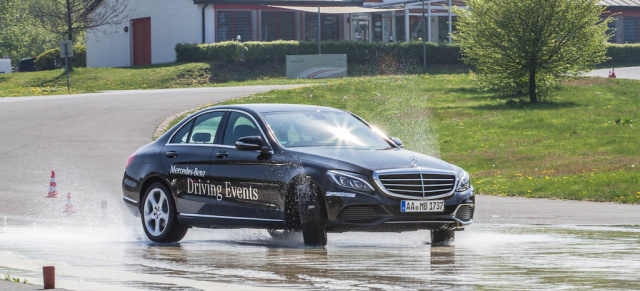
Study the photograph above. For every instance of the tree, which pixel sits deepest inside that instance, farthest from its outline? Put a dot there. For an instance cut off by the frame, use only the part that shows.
(21, 36)
(526, 46)
(69, 17)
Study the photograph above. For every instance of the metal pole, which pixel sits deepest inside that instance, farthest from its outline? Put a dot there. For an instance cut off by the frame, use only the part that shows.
(450, 23)
(319, 33)
(393, 26)
(407, 29)
(429, 19)
(424, 38)
(66, 58)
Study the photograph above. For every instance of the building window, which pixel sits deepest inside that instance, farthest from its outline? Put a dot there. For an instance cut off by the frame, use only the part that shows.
(400, 28)
(278, 25)
(631, 29)
(615, 29)
(331, 27)
(443, 27)
(230, 24)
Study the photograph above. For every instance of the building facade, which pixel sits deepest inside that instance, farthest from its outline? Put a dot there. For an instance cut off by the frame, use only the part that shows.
(626, 26)
(156, 26)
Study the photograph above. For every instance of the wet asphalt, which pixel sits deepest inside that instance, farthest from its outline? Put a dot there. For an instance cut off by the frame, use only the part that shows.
(516, 243)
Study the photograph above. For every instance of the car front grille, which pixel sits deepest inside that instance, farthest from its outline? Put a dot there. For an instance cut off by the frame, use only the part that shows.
(416, 183)
(464, 213)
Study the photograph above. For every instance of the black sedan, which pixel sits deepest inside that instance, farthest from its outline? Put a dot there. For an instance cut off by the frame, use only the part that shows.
(291, 168)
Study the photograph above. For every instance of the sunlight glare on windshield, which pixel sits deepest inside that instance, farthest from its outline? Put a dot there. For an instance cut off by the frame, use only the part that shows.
(343, 135)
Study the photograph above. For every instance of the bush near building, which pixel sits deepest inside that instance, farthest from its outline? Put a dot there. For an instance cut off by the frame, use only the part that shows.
(401, 53)
(357, 52)
(50, 60)
(623, 54)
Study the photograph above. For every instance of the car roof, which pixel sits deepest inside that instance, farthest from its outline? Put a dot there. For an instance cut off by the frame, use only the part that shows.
(266, 108)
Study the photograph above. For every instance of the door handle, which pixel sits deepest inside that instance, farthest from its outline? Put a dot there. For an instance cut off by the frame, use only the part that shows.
(222, 154)
(171, 154)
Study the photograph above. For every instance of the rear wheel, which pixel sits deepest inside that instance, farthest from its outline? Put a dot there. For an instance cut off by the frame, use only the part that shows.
(311, 218)
(442, 238)
(159, 215)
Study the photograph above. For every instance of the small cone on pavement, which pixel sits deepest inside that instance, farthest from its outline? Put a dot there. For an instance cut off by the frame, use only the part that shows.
(53, 192)
(68, 208)
(612, 73)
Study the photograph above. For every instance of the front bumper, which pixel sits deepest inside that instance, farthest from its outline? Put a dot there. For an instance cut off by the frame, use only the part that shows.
(379, 212)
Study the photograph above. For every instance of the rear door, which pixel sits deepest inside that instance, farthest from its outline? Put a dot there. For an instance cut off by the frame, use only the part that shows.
(187, 162)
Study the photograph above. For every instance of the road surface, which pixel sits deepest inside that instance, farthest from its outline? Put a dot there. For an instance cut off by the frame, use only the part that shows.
(621, 73)
(516, 243)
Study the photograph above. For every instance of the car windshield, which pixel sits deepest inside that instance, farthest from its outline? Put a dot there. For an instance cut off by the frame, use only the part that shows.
(323, 129)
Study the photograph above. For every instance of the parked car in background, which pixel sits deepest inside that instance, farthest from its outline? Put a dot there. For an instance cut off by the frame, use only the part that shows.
(27, 65)
(5, 66)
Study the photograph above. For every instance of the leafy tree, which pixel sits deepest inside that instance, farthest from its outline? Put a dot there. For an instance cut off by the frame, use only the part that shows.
(525, 46)
(21, 36)
(70, 17)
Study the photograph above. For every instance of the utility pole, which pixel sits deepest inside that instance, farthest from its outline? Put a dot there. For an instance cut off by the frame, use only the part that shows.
(319, 33)
(66, 51)
(424, 38)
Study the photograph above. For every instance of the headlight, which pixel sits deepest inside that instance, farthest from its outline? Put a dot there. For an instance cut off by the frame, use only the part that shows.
(349, 180)
(464, 183)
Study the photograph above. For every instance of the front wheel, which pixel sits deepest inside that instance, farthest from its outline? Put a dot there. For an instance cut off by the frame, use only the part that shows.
(311, 218)
(159, 216)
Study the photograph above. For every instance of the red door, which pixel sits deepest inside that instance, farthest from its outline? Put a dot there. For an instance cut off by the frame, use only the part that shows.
(141, 41)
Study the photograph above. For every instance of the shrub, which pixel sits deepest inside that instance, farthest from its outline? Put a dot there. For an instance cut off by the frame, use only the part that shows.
(628, 54)
(357, 52)
(50, 60)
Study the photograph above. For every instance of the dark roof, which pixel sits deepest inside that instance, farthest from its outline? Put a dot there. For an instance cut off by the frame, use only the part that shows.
(286, 2)
(620, 3)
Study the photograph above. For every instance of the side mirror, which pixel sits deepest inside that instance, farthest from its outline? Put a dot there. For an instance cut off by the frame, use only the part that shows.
(397, 141)
(249, 143)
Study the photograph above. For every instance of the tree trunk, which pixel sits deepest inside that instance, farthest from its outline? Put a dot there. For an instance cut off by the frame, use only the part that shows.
(69, 24)
(532, 85)
(70, 32)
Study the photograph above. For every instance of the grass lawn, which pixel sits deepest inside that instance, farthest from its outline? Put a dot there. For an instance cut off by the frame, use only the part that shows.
(568, 148)
(90, 80)
(178, 75)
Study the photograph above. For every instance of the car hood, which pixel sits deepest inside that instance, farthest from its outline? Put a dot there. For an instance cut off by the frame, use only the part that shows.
(371, 160)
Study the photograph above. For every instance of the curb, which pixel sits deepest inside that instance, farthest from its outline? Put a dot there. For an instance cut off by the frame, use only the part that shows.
(162, 128)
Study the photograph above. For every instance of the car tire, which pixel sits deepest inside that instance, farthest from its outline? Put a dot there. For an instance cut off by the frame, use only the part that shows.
(314, 232)
(159, 215)
(442, 238)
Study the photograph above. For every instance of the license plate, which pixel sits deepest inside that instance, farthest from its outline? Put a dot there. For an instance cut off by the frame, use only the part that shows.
(422, 206)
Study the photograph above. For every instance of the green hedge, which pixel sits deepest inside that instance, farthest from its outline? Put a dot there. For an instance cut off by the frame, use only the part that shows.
(50, 60)
(624, 54)
(357, 52)
(399, 53)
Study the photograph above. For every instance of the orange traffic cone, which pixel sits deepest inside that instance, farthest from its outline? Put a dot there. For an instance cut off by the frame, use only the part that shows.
(612, 73)
(68, 208)
(53, 192)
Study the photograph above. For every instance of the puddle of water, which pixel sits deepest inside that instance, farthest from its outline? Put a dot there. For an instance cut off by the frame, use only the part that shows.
(485, 257)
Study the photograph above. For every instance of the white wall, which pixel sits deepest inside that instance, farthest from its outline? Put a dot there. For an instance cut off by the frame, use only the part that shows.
(172, 22)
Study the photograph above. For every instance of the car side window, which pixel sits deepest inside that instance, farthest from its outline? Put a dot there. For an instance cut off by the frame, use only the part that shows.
(239, 125)
(182, 134)
(205, 128)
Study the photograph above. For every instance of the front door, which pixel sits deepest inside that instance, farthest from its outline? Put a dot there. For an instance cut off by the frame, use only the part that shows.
(141, 41)
(187, 160)
(360, 28)
(249, 179)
